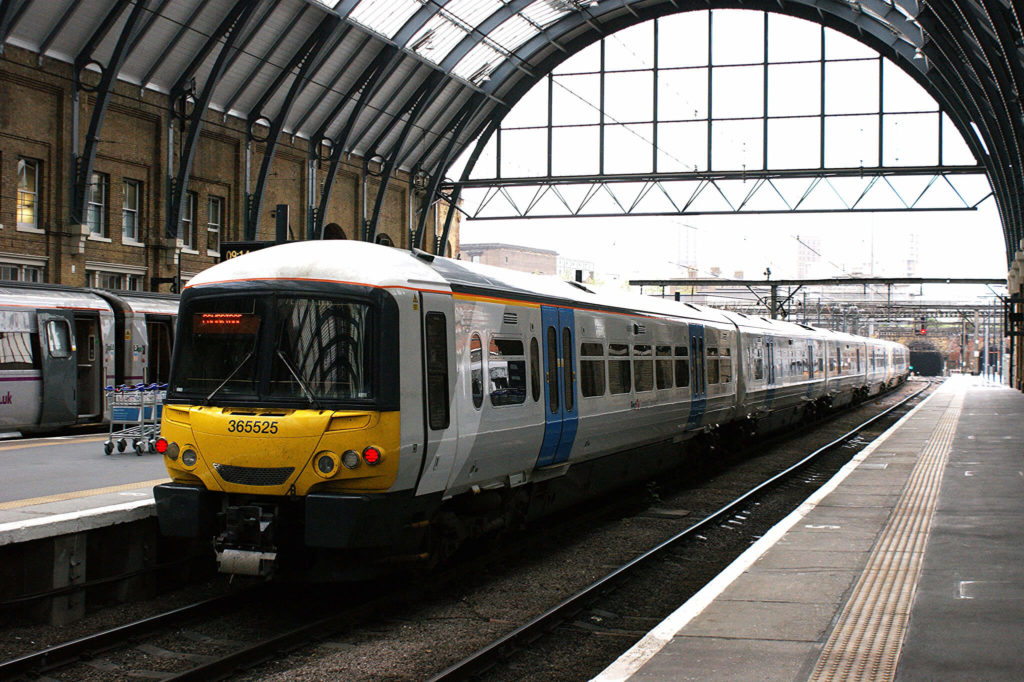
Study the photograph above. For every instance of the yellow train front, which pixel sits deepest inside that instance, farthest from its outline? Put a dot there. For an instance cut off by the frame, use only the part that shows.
(282, 428)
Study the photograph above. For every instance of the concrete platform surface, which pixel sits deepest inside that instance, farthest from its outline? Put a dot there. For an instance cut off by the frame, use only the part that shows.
(908, 565)
(52, 486)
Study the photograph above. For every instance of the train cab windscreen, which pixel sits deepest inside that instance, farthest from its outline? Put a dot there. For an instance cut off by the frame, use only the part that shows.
(290, 350)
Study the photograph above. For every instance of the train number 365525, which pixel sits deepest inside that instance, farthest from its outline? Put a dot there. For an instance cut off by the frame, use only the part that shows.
(251, 426)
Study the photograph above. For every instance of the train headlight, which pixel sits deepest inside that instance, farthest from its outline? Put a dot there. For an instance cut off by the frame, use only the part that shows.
(189, 457)
(350, 458)
(326, 464)
(372, 455)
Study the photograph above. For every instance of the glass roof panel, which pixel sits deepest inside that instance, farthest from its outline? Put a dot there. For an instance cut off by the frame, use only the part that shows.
(454, 21)
(512, 33)
(386, 18)
(543, 13)
(478, 64)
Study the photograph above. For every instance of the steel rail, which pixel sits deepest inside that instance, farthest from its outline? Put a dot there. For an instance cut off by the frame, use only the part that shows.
(84, 647)
(485, 657)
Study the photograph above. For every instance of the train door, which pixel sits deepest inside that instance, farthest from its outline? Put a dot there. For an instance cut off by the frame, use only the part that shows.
(59, 365)
(440, 432)
(89, 357)
(698, 385)
(561, 414)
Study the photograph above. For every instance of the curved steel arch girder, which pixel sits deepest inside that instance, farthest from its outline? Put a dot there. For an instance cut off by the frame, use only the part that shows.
(509, 83)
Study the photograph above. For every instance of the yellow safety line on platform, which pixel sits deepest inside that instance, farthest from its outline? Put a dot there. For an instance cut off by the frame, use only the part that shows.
(60, 497)
(96, 439)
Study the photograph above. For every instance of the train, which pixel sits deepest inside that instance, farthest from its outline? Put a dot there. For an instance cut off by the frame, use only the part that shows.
(61, 346)
(340, 403)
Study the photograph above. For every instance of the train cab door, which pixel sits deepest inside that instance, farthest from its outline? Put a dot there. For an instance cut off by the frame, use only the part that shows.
(440, 428)
(698, 377)
(59, 363)
(561, 413)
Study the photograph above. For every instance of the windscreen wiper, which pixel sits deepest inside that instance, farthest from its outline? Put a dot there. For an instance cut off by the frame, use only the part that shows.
(302, 384)
(231, 376)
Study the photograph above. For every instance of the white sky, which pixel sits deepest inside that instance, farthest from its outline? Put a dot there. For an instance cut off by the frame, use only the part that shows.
(949, 244)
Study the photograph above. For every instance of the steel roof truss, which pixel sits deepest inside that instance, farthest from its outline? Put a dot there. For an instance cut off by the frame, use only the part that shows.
(83, 163)
(169, 49)
(228, 31)
(304, 59)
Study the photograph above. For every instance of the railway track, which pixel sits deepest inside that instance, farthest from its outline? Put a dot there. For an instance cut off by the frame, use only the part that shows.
(255, 651)
(486, 658)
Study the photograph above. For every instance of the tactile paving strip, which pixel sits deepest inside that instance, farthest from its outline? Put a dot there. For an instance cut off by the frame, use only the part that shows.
(866, 642)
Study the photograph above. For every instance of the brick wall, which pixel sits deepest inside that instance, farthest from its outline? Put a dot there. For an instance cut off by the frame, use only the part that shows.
(36, 110)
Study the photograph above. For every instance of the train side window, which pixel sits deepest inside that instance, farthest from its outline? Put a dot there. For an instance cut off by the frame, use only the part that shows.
(58, 338)
(725, 365)
(713, 365)
(591, 369)
(552, 373)
(758, 364)
(437, 371)
(619, 376)
(663, 366)
(682, 366)
(568, 378)
(17, 351)
(643, 368)
(535, 368)
(476, 370)
(506, 370)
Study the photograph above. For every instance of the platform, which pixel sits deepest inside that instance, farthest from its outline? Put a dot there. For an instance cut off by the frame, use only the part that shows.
(66, 484)
(909, 564)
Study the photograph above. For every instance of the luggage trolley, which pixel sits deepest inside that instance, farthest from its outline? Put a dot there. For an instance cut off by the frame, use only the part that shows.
(135, 413)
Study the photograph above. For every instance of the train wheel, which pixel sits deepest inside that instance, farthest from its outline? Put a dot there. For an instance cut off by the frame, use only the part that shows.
(121, 445)
(108, 447)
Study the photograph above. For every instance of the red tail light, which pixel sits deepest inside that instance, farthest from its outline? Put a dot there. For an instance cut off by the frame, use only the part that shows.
(371, 455)
(160, 445)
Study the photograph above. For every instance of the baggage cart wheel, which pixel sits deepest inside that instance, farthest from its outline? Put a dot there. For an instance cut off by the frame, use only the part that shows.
(108, 447)
(137, 446)
(121, 445)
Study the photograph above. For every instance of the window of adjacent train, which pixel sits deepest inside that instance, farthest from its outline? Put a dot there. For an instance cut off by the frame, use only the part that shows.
(552, 373)
(535, 369)
(643, 368)
(476, 370)
(436, 333)
(725, 365)
(619, 376)
(321, 350)
(663, 367)
(682, 366)
(591, 369)
(758, 363)
(58, 338)
(568, 380)
(17, 351)
(713, 365)
(506, 371)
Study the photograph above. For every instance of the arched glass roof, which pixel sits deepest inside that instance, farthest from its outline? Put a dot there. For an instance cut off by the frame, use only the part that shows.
(417, 81)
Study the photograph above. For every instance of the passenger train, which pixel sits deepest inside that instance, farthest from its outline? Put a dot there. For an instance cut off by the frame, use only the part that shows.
(342, 400)
(61, 346)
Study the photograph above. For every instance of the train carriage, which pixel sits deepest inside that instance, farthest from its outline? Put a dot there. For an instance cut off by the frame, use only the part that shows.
(332, 398)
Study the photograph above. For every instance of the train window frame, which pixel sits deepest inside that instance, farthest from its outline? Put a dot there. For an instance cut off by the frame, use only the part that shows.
(568, 375)
(663, 370)
(713, 360)
(497, 341)
(535, 368)
(642, 355)
(593, 380)
(476, 370)
(682, 366)
(56, 350)
(620, 367)
(551, 376)
(436, 370)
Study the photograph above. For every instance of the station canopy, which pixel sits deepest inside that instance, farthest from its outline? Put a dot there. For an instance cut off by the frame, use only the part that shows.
(416, 82)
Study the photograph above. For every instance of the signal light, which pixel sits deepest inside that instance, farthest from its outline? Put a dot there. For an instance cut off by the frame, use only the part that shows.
(924, 331)
(371, 455)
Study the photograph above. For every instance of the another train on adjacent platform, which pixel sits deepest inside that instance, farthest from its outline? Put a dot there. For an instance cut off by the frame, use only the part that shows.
(61, 346)
(344, 401)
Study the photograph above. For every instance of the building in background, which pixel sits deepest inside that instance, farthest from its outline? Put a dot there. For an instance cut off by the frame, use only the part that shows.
(513, 257)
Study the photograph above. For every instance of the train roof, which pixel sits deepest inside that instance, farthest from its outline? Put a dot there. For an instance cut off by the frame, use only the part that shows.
(15, 295)
(374, 265)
